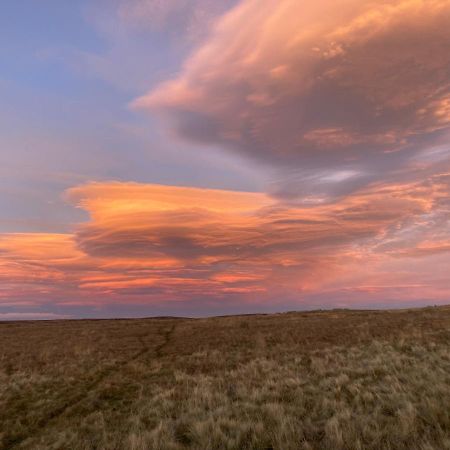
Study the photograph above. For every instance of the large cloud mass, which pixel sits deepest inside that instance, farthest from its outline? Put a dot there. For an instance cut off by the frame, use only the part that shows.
(354, 86)
(156, 245)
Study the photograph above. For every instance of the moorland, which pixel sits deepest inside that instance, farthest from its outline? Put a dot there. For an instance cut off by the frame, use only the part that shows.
(340, 379)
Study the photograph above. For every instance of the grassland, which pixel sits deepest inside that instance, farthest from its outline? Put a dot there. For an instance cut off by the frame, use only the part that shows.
(315, 380)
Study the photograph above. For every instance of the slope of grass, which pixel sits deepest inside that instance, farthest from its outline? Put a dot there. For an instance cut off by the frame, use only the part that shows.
(318, 380)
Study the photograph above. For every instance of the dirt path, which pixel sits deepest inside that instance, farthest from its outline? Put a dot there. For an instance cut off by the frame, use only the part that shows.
(77, 398)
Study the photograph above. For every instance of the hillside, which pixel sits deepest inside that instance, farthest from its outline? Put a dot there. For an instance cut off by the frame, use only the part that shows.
(302, 380)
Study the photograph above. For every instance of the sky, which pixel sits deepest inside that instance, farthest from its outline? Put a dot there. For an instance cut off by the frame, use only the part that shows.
(208, 157)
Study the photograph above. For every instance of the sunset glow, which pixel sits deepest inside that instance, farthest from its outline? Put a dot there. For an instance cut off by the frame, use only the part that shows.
(268, 155)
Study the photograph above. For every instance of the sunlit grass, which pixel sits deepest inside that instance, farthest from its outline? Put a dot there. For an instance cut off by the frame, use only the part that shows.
(323, 380)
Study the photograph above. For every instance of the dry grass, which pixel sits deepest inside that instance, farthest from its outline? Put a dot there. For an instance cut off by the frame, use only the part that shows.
(319, 380)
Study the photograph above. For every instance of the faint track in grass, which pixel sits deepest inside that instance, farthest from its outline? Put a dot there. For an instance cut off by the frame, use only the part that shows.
(16, 441)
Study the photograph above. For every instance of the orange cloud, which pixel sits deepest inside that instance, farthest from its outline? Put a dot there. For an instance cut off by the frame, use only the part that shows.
(112, 199)
(159, 244)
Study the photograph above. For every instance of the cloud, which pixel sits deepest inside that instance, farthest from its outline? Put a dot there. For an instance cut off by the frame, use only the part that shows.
(356, 86)
(199, 226)
(32, 316)
(190, 18)
(168, 243)
(156, 245)
(347, 102)
(141, 39)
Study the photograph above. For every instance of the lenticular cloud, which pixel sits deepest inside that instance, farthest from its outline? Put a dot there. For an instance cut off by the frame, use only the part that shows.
(353, 85)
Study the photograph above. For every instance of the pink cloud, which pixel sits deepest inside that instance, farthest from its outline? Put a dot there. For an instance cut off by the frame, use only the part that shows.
(317, 85)
(156, 245)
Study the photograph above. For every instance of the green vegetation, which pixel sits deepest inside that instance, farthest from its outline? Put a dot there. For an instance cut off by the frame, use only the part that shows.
(316, 380)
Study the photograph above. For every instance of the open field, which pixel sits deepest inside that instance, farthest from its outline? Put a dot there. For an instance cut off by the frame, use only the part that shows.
(315, 380)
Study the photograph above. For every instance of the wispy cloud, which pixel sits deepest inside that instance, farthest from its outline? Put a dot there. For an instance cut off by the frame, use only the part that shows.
(189, 19)
(31, 316)
(142, 40)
